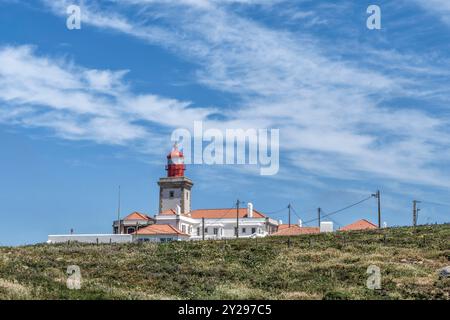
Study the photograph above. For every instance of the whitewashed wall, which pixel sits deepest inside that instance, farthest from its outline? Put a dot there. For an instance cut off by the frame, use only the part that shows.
(157, 238)
(91, 238)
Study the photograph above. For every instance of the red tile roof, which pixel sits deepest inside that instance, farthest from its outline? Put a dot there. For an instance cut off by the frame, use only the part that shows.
(295, 230)
(160, 229)
(285, 226)
(168, 212)
(359, 225)
(137, 216)
(217, 213)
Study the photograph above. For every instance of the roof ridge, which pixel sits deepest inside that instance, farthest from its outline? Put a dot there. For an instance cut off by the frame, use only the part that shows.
(369, 222)
(140, 214)
(229, 209)
(160, 228)
(218, 209)
(177, 230)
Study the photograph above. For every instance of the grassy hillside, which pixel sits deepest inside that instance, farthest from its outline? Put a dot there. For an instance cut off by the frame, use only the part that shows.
(325, 266)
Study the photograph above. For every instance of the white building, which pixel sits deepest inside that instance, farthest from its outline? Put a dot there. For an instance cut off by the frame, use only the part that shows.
(219, 223)
(177, 221)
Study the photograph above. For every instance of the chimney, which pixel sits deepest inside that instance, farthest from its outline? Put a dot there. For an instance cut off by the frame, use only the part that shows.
(178, 213)
(300, 223)
(250, 210)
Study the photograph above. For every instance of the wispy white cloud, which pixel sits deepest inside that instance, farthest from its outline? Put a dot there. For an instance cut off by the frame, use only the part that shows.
(335, 114)
(81, 103)
(439, 7)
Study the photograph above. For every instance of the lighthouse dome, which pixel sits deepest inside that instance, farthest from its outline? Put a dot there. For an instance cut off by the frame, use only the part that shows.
(175, 162)
(175, 156)
(175, 153)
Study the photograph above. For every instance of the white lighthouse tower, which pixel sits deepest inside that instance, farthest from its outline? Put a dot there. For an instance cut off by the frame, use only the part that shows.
(175, 189)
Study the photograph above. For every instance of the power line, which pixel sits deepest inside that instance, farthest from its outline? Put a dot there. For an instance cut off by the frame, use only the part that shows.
(348, 207)
(276, 211)
(295, 212)
(436, 203)
(305, 212)
(340, 210)
(337, 223)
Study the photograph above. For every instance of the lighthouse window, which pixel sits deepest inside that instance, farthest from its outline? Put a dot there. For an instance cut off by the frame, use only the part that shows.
(171, 194)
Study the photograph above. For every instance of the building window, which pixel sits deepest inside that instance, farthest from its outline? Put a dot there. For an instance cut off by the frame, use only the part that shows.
(130, 230)
(216, 231)
(171, 194)
(190, 229)
(244, 230)
(235, 231)
(198, 231)
(187, 195)
(206, 230)
(253, 230)
(183, 228)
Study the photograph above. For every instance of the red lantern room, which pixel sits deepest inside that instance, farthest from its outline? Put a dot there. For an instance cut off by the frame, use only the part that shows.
(175, 163)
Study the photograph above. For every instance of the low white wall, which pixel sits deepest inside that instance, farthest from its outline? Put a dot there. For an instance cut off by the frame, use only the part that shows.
(91, 238)
(157, 238)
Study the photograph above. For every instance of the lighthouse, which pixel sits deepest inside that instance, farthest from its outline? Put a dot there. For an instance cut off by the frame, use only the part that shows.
(175, 189)
(175, 163)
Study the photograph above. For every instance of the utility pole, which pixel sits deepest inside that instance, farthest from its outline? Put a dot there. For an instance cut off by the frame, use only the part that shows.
(319, 210)
(118, 215)
(415, 212)
(237, 218)
(203, 228)
(379, 208)
(289, 207)
(289, 221)
(378, 196)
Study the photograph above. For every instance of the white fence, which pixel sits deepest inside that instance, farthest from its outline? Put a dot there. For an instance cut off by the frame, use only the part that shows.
(91, 238)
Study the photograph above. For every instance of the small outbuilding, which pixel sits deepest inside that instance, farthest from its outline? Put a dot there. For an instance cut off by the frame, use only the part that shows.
(159, 233)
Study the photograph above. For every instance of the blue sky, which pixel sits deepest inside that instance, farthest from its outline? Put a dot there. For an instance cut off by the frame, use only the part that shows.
(83, 111)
